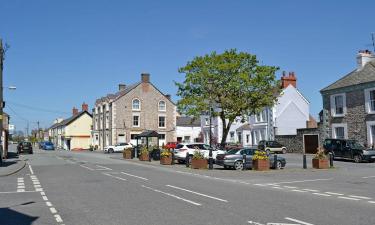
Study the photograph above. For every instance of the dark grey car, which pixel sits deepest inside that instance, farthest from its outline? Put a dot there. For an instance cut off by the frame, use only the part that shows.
(233, 159)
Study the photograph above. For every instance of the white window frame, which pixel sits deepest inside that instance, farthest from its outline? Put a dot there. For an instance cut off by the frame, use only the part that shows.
(134, 109)
(333, 105)
(367, 101)
(370, 141)
(139, 120)
(165, 121)
(165, 106)
(335, 125)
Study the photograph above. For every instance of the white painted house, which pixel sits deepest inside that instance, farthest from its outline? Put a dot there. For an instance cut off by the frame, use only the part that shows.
(188, 129)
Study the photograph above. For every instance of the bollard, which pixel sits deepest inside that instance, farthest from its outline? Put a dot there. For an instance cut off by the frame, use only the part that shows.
(275, 161)
(331, 160)
(243, 161)
(173, 158)
(187, 159)
(304, 161)
(149, 156)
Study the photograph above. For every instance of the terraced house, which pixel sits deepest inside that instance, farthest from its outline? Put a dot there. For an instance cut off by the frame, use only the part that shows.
(349, 103)
(119, 117)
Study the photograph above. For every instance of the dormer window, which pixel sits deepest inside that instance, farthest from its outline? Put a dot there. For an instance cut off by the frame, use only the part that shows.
(162, 106)
(136, 104)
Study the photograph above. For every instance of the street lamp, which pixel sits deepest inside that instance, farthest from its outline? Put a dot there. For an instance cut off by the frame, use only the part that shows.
(210, 159)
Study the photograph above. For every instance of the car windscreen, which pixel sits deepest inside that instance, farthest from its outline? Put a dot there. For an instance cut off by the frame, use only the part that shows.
(355, 145)
(233, 151)
(48, 143)
(179, 146)
(26, 144)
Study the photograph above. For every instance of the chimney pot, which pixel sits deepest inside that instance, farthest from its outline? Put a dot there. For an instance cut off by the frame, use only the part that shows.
(363, 57)
(85, 107)
(75, 111)
(289, 80)
(121, 87)
(145, 78)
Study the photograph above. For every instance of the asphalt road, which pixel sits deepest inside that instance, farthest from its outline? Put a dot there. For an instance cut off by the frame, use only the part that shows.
(60, 187)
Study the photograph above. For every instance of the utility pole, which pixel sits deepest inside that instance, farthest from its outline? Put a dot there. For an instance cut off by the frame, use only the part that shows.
(2, 52)
(38, 136)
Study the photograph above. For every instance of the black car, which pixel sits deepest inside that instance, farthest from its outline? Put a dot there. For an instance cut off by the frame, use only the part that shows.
(25, 146)
(233, 159)
(348, 149)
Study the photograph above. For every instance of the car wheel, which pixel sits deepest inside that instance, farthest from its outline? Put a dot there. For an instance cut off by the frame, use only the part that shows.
(283, 151)
(279, 165)
(110, 150)
(357, 158)
(238, 165)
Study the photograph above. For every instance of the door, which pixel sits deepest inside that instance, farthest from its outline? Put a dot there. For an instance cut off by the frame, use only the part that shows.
(311, 143)
(336, 148)
(346, 150)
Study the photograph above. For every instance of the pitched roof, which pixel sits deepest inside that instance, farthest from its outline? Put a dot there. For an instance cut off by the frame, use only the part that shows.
(187, 121)
(69, 120)
(363, 75)
(246, 126)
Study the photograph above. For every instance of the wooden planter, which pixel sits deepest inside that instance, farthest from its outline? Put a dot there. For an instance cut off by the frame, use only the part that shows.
(144, 157)
(261, 164)
(199, 163)
(166, 160)
(127, 154)
(320, 163)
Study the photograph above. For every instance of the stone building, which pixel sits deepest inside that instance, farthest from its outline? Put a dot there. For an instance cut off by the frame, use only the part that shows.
(349, 103)
(119, 117)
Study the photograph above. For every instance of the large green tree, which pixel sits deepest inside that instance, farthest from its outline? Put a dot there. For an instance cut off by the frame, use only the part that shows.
(232, 82)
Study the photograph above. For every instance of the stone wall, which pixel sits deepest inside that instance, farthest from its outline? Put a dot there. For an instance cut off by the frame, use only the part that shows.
(294, 143)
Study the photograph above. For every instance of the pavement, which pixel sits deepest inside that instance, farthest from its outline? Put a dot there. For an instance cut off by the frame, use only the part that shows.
(61, 187)
(11, 165)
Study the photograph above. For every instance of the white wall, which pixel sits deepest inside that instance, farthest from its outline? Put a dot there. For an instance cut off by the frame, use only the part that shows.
(192, 132)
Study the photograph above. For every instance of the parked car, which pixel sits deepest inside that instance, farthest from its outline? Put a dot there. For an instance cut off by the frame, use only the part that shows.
(117, 148)
(171, 145)
(48, 146)
(41, 144)
(25, 146)
(271, 147)
(183, 148)
(230, 146)
(233, 159)
(348, 149)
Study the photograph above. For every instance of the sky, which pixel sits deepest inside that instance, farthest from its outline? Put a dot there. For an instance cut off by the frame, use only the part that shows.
(64, 53)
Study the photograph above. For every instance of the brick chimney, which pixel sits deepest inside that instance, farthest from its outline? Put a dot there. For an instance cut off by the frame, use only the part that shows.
(290, 79)
(121, 87)
(145, 78)
(363, 57)
(75, 111)
(85, 107)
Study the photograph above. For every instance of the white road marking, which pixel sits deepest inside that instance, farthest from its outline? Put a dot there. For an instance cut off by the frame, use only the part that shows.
(296, 190)
(282, 224)
(321, 194)
(21, 186)
(86, 167)
(37, 186)
(291, 187)
(368, 177)
(45, 198)
(333, 193)
(312, 190)
(275, 187)
(197, 193)
(372, 202)
(49, 204)
(39, 189)
(261, 185)
(110, 175)
(42, 193)
(174, 196)
(347, 198)
(58, 219)
(301, 181)
(53, 210)
(20, 190)
(14, 192)
(298, 221)
(131, 175)
(255, 223)
(361, 197)
(31, 169)
(103, 167)
(36, 182)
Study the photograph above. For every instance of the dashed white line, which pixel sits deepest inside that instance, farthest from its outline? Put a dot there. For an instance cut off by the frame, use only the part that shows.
(58, 219)
(131, 175)
(302, 181)
(296, 190)
(197, 193)
(368, 177)
(172, 195)
(49, 204)
(110, 175)
(291, 187)
(31, 169)
(312, 190)
(347, 198)
(361, 197)
(275, 187)
(333, 193)
(298, 221)
(86, 167)
(45, 198)
(372, 202)
(37, 186)
(103, 167)
(20, 190)
(321, 194)
(42, 193)
(53, 210)
(14, 192)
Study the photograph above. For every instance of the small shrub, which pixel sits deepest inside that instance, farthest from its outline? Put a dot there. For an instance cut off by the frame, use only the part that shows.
(320, 154)
(260, 155)
(198, 155)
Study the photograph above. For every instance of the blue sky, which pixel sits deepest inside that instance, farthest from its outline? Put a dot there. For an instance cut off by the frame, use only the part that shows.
(66, 52)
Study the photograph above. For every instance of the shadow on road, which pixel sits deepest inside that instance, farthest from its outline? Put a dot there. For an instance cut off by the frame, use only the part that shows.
(11, 217)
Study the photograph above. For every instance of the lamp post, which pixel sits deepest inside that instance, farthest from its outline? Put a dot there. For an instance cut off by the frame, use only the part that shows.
(210, 159)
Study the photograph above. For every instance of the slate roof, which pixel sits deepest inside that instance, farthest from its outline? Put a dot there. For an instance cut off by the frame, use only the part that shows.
(148, 133)
(69, 120)
(364, 75)
(186, 121)
(117, 94)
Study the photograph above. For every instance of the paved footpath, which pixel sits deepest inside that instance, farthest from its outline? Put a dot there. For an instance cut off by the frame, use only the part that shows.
(59, 187)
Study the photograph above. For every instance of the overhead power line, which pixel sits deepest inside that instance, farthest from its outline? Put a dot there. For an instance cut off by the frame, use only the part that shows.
(37, 108)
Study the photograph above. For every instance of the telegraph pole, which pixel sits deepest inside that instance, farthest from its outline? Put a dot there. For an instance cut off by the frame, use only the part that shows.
(2, 52)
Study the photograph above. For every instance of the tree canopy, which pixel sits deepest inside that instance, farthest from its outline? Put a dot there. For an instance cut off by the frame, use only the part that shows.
(233, 82)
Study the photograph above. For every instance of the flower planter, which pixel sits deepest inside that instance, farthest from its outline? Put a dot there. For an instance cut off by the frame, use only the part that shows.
(320, 163)
(261, 164)
(166, 160)
(127, 154)
(144, 157)
(199, 163)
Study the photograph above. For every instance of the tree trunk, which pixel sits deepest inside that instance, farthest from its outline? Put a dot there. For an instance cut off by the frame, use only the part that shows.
(226, 128)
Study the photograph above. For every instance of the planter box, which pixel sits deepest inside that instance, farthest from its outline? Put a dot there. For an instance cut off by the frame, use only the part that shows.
(166, 160)
(320, 163)
(261, 165)
(199, 163)
(127, 154)
(144, 157)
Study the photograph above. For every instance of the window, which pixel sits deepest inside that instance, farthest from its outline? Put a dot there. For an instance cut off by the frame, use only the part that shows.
(370, 133)
(247, 138)
(370, 100)
(231, 135)
(133, 136)
(136, 121)
(161, 136)
(162, 121)
(339, 131)
(338, 105)
(207, 121)
(136, 105)
(162, 106)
